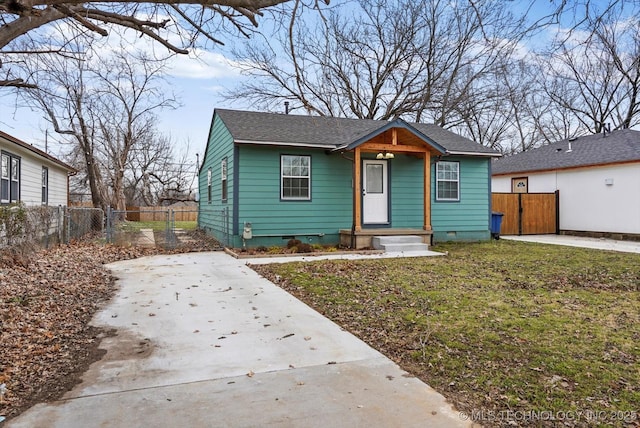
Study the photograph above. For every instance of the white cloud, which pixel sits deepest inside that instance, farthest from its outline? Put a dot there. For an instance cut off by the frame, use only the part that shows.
(201, 64)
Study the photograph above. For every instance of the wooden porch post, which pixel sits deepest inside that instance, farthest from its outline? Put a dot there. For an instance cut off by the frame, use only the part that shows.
(427, 190)
(357, 190)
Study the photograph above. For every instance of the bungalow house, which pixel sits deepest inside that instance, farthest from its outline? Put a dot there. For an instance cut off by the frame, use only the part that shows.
(597, 176)
(31, 176)
(267, 178)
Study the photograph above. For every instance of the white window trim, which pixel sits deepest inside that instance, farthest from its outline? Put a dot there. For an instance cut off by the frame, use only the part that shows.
(6, 177)
(438, 181)
(223, 180)
(45, 185)
(15, 172)
(282, 177)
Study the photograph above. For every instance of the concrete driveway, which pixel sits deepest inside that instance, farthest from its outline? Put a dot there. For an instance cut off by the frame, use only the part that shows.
(580, 241)
(203, 341)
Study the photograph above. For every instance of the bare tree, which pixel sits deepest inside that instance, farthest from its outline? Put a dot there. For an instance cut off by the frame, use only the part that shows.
(175, 25)
(424, 61)
(156, 173)
(129, 95)
(67, 104)
(106, 107)
(594, 76)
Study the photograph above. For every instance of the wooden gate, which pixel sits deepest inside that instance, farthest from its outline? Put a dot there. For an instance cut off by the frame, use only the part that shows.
(527, 213)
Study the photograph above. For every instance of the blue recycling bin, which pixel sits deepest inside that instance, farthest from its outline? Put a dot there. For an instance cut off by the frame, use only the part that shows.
(496, 224)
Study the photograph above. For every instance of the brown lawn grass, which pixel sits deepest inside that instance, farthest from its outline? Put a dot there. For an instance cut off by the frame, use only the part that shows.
(504, 327)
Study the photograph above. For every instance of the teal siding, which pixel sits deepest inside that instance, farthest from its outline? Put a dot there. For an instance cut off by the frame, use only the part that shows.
(407, 197)
(273, 220)
(219, 146)
(467, 219)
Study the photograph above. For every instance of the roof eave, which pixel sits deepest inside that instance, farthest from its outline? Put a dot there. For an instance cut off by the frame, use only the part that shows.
(480, 154)
(566, 168)
(37, 151)
(286, 144)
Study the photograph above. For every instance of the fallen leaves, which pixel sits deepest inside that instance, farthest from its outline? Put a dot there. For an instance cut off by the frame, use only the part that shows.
(45, 307)
(46, 303)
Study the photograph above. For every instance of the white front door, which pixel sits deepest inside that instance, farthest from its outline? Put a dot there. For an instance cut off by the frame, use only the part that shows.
(375, 199)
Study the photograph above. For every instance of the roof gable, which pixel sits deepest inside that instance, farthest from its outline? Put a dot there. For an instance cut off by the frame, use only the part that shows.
(617, 147)
(334, 133)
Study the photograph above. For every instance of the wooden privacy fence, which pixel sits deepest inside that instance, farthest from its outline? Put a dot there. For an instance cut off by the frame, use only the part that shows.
(527, 213)
(160, 213)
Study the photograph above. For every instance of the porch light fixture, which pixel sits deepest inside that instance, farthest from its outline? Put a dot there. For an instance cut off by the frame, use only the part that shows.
(385, 155)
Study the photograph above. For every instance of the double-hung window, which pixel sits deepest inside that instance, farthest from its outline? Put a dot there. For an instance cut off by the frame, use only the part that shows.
(447, 181)
(9, 178)
(295, 177)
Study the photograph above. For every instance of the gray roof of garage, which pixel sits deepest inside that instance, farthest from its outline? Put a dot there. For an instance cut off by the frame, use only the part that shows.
(616, 147)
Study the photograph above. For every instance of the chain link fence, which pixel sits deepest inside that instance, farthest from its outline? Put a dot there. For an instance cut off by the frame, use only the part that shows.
(47, 226)
(219, 226)
(146, 227)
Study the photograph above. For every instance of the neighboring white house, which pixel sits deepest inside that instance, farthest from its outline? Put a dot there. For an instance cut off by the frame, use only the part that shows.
(597, 176)
(31, 176)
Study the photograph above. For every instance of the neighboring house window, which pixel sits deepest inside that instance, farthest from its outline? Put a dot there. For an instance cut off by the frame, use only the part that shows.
(295, 183)
(9, 178)
(45, 185)
(223, 173)
(209, 185)
(447, 181)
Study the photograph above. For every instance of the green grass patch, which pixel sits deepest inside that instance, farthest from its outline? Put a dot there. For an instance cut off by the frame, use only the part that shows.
(157, 226)
(495, 326)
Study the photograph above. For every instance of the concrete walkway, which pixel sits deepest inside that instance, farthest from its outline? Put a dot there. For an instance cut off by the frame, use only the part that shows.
(203, 341)
(579, 241)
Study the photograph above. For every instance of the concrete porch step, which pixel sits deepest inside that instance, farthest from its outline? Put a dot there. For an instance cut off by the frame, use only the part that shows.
(398, 244)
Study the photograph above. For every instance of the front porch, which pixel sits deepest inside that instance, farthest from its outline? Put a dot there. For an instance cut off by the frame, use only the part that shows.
(377, 151)
(362, 238)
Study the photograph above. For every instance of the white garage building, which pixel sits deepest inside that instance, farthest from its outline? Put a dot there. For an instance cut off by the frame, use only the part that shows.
(597, 176)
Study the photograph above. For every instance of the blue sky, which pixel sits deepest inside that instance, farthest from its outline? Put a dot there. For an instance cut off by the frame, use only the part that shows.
(197, 83)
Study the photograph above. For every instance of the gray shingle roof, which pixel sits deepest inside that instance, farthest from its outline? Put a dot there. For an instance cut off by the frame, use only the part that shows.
(618, 146)
(327, 132)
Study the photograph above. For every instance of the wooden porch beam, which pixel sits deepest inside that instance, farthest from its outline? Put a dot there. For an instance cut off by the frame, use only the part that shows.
(394, 136)
(427, 191)
(356, 190)
(398, 148)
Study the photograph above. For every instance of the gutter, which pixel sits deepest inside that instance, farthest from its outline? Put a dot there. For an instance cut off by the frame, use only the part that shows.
(491, 155)
(287, 144)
